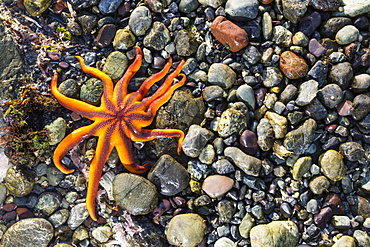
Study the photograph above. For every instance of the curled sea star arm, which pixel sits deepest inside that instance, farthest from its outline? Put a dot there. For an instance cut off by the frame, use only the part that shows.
(148, 135)
(69, 142)
(80, 107)
(103, 150)
(120, 90)
(124, 149)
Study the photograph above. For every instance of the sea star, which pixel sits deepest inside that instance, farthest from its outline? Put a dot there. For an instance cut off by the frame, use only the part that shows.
(120, 118)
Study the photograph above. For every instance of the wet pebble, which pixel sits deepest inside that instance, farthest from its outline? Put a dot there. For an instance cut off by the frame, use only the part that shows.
(345, 241)
(78, 214)
(140, 20)
(330, 95)
(185, 43)
(56, 130)
(347, 35)
(248, 164)
(195, 140)
(307, 92)
(105, 35)
(332, 164)
(124, 39)
(91, 91)
(36, 7)
(292, 65)
(19, 181)
(341, 74)
(48, 203)
(300, 139)
(223, 166)
(221, 75)
(115, 65)
(107, 6)
(217, 185)
(158, 37)
(353, 151)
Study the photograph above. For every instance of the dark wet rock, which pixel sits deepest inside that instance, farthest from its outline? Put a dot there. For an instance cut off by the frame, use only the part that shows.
(186, 230)
(157, 37)
(88, 22)
(247, 95)
(180, 112)
(325, 5)
(292, 65)
(319, 185)
(241, 11)
(248, 164)
(276, 233)
(361, 105)
(19, 181)
(124, 39)
(92, 91)
(128, 191)
(330, 27)
(341, 74)
(300, 139)
(59, 217)
(74, 27)
(11, 65)
(334, 201)
(108, 6)
(69, 88)
(226, 211)
(362, 22)
(233, 120)
(140, 20)
(187, 6)
(330, 95)
(323, 217)
(316, 110)
(36, 7)
(248, 142)
(195, 140)
(216, 185)
(169, 176)
(37, 231)
(309, 23)
(115, 65)
(252, 54)
(362, 206)
(337, 57)
(105, 35)
(185, 43)
(332, 165)
(353, 151)
(295, 117)
(294, 10)
(307, 92)
(81, 4)
(222, 75)
(318, 72)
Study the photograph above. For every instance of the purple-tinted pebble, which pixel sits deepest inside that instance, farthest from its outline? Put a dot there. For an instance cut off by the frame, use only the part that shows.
(105, 35)
(316, 48)
(323, 217)
(309, 23)
(345, 108)
(248, 142)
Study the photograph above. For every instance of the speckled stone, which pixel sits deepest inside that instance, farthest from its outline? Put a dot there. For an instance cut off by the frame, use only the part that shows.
(300, 139)
(140, 20)
(158, 37)
(319, 184)
(36, 7)
(248, 164)
(345, 241)
(307, 92)
(222, 75)
(115, 65)
(292, 65)
(56, 130)
(301, 167)
(124, 39)
(102, 233)
(294, 10)
(19, 181)
(282, 36)
(195, 140)
(332, 164)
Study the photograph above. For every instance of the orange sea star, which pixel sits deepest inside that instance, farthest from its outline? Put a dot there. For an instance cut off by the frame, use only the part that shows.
(120, 118)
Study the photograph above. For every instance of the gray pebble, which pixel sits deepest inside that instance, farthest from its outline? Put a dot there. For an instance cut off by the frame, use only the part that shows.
(195, 140)
(140, 20)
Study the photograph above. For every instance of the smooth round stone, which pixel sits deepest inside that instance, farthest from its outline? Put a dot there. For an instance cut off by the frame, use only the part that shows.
(362, 238)
(347, 35)
(217, 185)
(36, 7)
(292, 65)
(341, 74)
(361, 105)
(88, 22)
(223, 166)
(105, 35)
(309, 23)
(37, 231)
(124, 39)
(224, 242)
(345, 241)
(330, 95)
(360, 83)
(282, 36)
(276, 233)
(82, 4)
(187, 6)
(48, 203)
(115, 65)
(316, 48)
(246, 225)
(252, 54)
(56, 130)
(248, 142)
(69, 88)
(332, 164)
(265, 135)
(102, 233)
(319, 185)
(158, 37)
(341, 222)
(128, 191)
(186, 230)
(108, 6)
(78, 215)
(244, 10)
(213, 92)
(207, 155)
(19, 181)
(3, 193)
(169, 176)
(313, 206)
(266, 25)
(246, 94)
(353, 151)
(222, 75)
(278, 123)
(300, 39)
(337, 57)
(140, 20)
(301, 167)
(323, 217)
(91, 91)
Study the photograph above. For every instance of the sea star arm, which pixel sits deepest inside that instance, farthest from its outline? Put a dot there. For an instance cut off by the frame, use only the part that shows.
(69, 142)
(120, 90)
(107, 81)
(124, 150)
(148, 135)
(75, 105)
(103, 150)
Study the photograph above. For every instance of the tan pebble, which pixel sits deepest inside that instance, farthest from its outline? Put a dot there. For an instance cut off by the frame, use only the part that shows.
(217, 185)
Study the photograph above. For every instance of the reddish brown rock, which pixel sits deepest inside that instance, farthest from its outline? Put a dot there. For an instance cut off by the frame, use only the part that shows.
(265, 1)
(229, 34)
(292, 65)
(217, 185)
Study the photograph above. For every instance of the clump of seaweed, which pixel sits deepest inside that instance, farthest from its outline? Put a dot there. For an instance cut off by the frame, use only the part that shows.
(24, 138)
